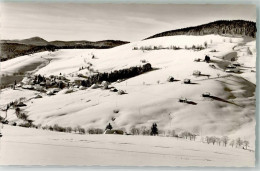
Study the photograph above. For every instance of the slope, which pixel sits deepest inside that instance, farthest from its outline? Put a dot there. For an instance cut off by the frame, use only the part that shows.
(22, 146)
(150, 98)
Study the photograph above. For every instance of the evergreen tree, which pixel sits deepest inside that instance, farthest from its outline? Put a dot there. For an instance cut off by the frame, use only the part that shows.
(109, 126)
(154, 129)
(207, 58)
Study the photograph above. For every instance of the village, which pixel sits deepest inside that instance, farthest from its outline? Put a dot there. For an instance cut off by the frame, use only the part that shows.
(53, 84)
(202, 96)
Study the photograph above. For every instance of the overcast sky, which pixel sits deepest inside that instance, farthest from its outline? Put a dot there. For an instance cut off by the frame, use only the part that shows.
(67, 21)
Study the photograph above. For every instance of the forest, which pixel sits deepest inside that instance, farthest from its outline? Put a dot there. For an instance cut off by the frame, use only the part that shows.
(220, 27)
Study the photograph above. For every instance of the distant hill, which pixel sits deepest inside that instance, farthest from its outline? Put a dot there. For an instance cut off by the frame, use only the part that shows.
(35, 41)
(87, 44)
(31, 41)
(221, 27)
(14, 48)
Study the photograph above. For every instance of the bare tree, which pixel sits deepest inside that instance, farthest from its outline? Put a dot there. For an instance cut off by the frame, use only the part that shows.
(17, 112)
(68, 129)
(143, 130)
(249, 52)
(135, 131)
(132, 130)
(213, 140)
(185, 134)
(172, 133)
(208, 139)
(232, 143)
(239, 142)
(225, 140)
(23, 116)
(206, 44)
(246, 143)
(194, 136)
(80, 130)
(218, 141)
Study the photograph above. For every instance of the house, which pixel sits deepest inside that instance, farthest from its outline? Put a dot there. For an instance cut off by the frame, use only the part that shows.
(183, 100)
(29, 87)
(120, 92)
(187, 81)
(104, 84)
(38, 88)
(120, 80)
(50, 93)
(113, 90)
(62, 78)
(28, 81)
(42, 83)
(19, 85)
(94, 86)
(38, 96)
(212, 66)
(80, 75)
(118, 132)
(143, 61)
(20, 104)
(76, 86)
(82, 87)
(197, 73)
(55, 90)
(236, 64)
(234, 70)
(207, 94)
(170, 79)
(197, 60)
(231, 66)
(48, 83)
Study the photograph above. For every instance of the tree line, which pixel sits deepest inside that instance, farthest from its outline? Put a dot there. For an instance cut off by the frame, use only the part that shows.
(116, 75)
(220, 27)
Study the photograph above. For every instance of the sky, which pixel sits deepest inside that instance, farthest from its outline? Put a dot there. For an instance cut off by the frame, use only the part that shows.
(93, 22)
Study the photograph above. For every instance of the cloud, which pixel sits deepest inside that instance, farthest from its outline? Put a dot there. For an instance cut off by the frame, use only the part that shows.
(74, 21)
(147, 21)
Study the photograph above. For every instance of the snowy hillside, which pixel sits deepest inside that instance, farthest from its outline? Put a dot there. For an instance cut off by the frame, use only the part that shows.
(149, 98)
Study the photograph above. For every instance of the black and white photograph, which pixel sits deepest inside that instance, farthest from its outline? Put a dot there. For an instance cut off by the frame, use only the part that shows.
(127, 84)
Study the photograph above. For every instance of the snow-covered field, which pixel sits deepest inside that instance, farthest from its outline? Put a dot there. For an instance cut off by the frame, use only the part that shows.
(150, 98)
(25, 146)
